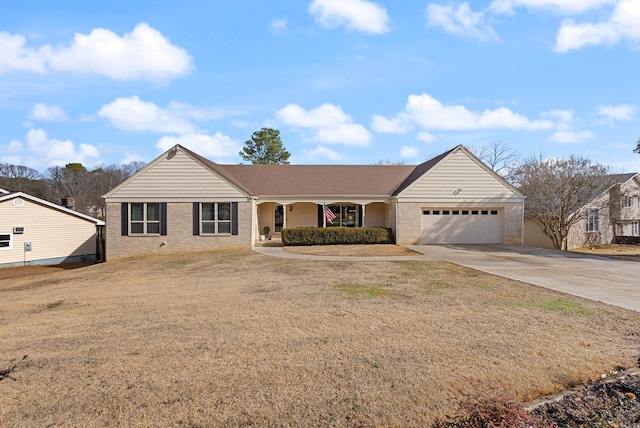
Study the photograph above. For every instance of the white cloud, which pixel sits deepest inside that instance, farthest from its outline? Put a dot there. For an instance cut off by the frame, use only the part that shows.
(461, 21)
(38, 151)
(570, 136)
(328, 123)
(622, 25)
(210, 146)
(391, 126)
(323, 152)
(426, 137)
(409, 152)
(279, 26)
(360, 15)
(560, 6)
(428, 114)
(48, 113)
(133, 114)
(564, 124)
(142, 54)
(611, 113)
(15, 57)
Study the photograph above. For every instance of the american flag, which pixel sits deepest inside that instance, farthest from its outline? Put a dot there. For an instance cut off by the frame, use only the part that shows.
(330, 215)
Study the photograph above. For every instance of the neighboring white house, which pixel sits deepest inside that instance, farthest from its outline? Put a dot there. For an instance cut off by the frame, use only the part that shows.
(612, 217)
(184, 201)
(34, 231)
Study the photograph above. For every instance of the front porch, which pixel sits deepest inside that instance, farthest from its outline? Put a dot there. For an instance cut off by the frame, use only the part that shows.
(277, 215)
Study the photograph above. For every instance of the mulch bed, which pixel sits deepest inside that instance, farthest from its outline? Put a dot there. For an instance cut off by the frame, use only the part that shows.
(602, 403)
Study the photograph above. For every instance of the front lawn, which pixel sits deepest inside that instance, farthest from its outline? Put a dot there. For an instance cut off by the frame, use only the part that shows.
(234, 338)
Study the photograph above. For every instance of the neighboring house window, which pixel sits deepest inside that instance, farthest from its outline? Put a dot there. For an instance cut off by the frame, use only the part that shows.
(593, 220)
(144, 218)
(215, 218)
(627, 202)
(634, 229)
(6, 241)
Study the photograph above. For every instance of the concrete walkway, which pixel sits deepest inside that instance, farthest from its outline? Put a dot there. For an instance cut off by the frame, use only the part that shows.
(616, 282)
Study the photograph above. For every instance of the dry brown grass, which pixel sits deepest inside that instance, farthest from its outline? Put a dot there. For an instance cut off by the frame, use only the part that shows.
(352, 250)
(239, 339)
(623, 252)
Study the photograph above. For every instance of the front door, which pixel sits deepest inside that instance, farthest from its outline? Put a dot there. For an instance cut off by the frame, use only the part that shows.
(279, 218)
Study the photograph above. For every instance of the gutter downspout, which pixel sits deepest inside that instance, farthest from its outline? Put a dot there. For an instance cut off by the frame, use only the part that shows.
(522, 238)
(396, 220)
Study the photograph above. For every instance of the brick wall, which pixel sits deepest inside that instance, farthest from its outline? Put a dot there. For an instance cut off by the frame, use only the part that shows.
(179, 233)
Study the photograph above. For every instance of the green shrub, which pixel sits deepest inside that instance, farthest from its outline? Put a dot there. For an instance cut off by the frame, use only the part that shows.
(336, 235)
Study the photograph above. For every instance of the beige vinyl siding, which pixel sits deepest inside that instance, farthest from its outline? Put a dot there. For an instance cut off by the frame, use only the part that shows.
(52, 233)
(535, 237)
(176, 178)
(458, 171)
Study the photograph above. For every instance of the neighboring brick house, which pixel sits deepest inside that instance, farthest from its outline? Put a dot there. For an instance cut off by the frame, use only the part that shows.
(612, 217)
(184, 201)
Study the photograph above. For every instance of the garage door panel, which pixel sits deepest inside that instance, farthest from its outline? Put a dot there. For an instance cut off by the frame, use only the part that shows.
(461, 226)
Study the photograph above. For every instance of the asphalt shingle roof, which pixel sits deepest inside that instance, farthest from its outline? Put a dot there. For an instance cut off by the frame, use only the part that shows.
(321, 180)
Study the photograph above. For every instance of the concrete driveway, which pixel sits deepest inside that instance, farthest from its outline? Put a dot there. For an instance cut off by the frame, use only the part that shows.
(615, 282)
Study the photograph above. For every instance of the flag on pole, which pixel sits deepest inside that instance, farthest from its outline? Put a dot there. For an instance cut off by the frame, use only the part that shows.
(330, 215)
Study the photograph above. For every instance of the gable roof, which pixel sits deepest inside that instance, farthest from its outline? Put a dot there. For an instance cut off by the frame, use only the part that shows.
(322, 180)
(317, 180)
(51, 205)
(2, 191)
(620, 178)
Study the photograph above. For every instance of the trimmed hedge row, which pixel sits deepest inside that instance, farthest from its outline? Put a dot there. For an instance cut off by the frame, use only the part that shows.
(336, 235)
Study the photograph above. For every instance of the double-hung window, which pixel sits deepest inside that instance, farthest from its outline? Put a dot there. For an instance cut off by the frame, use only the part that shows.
(627, 202)
(215, 218)
(6, 241)
(593, 220)
(144, 218)
(634, 229)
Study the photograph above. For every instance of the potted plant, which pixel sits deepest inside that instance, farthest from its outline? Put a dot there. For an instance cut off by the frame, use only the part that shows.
(266, 231)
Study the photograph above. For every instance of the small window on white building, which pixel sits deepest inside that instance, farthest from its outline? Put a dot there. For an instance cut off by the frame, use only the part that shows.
(593, 220)
(627, 202)
(6, 241)
(634, 229)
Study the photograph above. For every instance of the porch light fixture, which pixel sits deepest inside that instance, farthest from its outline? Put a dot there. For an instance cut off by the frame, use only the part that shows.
(290, 207)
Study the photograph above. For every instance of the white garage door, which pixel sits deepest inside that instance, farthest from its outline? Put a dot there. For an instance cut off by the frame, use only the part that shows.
(461, 226)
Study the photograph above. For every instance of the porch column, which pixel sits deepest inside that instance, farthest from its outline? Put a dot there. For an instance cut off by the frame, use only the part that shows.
(362, 207)
(284, 216)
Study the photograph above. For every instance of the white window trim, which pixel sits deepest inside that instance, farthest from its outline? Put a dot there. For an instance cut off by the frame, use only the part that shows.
(635, 228)
(215, 220)
(10, 247)
(627, 202)
(144, 220)
(597, 223)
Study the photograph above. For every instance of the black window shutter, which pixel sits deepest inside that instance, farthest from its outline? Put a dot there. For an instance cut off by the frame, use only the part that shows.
(234, 218)
(196, 218)
(124, 218)
(359, 207)
(320, 215)
(163, 218)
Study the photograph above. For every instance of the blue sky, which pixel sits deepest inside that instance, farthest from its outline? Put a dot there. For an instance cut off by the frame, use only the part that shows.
(345, 81)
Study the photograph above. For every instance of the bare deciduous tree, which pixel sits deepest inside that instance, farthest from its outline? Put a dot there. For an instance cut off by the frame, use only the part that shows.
(499, 156)
(556, 190)
(18, 178)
